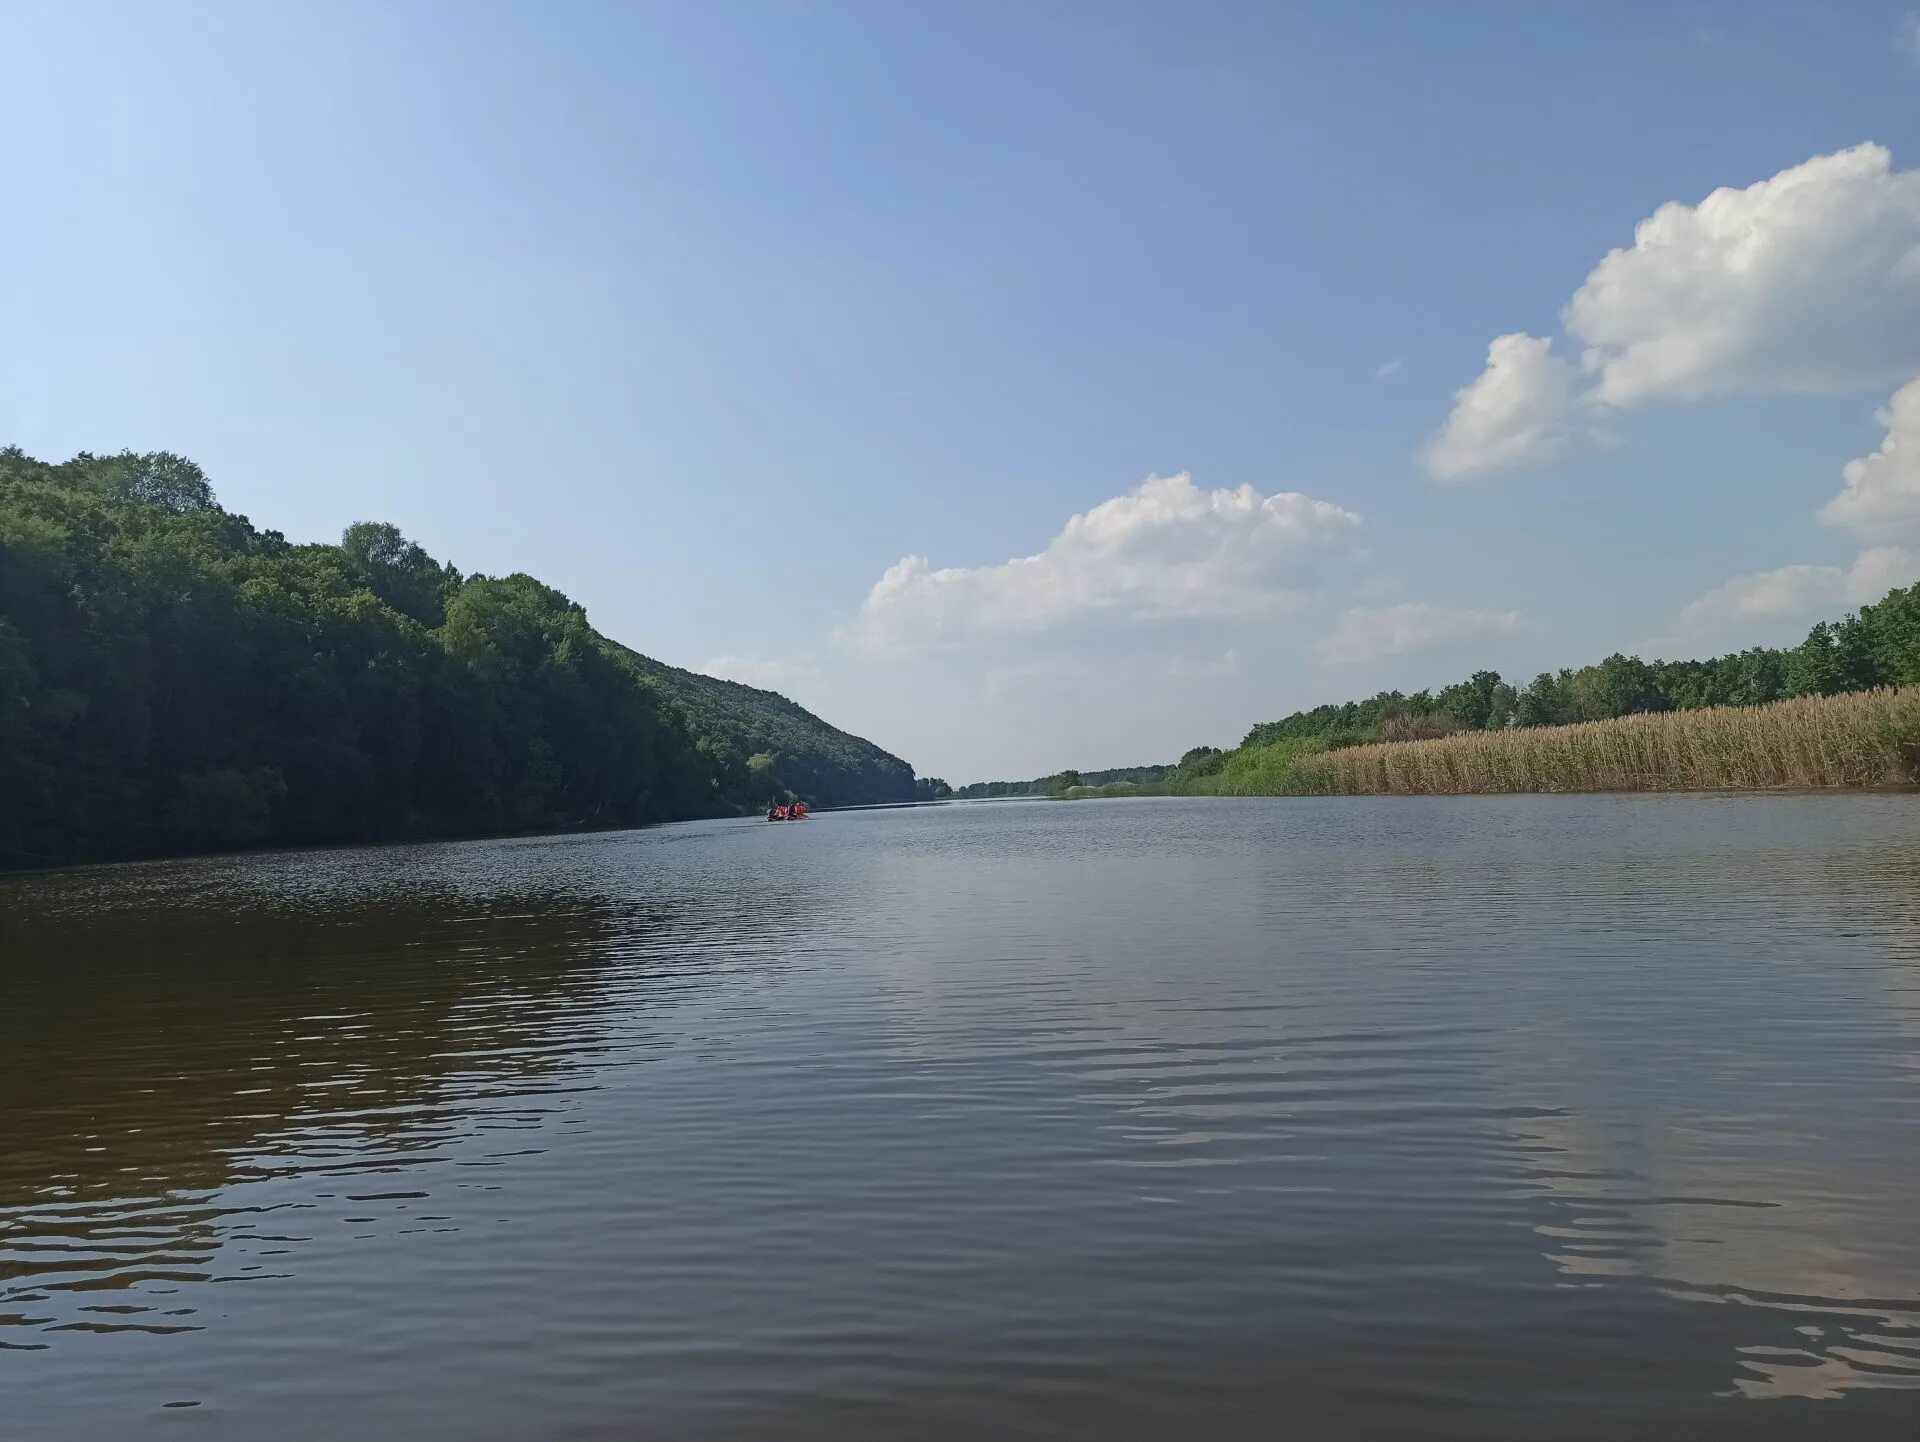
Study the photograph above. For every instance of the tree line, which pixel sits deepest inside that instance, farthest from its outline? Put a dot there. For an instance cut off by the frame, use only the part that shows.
(1878, 646)
(174, 679)
(1057, 783)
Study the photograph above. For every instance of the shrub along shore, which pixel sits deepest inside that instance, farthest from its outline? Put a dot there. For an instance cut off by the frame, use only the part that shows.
(1855, 739)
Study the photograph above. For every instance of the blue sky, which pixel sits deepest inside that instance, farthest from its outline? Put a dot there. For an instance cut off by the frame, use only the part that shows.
(711, 315)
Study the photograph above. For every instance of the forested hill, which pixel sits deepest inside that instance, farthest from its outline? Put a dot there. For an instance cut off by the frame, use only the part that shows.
(174, 679)
(785, 745)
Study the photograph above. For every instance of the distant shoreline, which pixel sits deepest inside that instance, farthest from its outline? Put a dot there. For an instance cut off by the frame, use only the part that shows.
(1854, 741)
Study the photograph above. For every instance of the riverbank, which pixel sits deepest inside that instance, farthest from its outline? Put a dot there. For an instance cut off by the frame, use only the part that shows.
(1856, 740)
(254, 693)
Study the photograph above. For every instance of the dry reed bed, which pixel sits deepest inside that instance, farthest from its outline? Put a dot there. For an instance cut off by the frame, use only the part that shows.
(1867, 738)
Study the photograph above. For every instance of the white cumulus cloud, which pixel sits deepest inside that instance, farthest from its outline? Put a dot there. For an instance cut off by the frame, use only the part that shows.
(1517, 411)
(1367, 633)
(1881, 495)
(1808, 281)
(1805, 282)
(1785, 593)
(1879, 570)
(1879, 502)
(1762, 602)
(1165, 548)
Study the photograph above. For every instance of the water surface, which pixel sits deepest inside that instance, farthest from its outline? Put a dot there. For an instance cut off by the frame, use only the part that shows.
(1380, 1118)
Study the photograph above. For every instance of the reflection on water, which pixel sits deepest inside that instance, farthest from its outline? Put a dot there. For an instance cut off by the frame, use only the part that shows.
(170, 1069)
(1503, 1117)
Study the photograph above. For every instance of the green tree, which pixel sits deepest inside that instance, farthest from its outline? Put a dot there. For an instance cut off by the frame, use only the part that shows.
(1893, 630)
(1471, 702)
(1060, 782)
(398, 571)
(1618, 686)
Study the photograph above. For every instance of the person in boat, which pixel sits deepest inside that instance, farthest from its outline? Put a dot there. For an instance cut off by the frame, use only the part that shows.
(799, 811)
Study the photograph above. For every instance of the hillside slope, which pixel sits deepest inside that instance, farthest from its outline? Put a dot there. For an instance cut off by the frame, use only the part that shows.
(175, 679)
(787, 746)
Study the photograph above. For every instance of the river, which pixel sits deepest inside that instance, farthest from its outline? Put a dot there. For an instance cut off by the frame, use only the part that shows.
(1482, 1117)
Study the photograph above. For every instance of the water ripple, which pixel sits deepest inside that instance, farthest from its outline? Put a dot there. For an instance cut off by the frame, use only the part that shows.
(1497, 1117)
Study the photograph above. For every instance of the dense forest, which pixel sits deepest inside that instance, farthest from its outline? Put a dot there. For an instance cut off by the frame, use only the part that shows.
(788, 750)
(174, 679)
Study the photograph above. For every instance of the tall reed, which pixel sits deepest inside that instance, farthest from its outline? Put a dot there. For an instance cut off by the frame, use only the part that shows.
(1865, 738)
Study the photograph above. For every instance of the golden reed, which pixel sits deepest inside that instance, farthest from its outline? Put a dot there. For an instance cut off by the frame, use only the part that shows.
(1862, 739)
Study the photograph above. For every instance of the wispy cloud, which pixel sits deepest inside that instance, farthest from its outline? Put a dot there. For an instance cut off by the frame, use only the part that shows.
(1764, 605)
(1367, 633)
(768, 673)
(1387, 368)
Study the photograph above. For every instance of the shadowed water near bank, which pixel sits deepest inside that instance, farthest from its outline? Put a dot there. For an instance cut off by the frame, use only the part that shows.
(1491, 1117)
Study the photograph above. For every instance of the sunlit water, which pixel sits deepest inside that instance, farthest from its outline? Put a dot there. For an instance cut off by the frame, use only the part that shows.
(1479, 1118)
